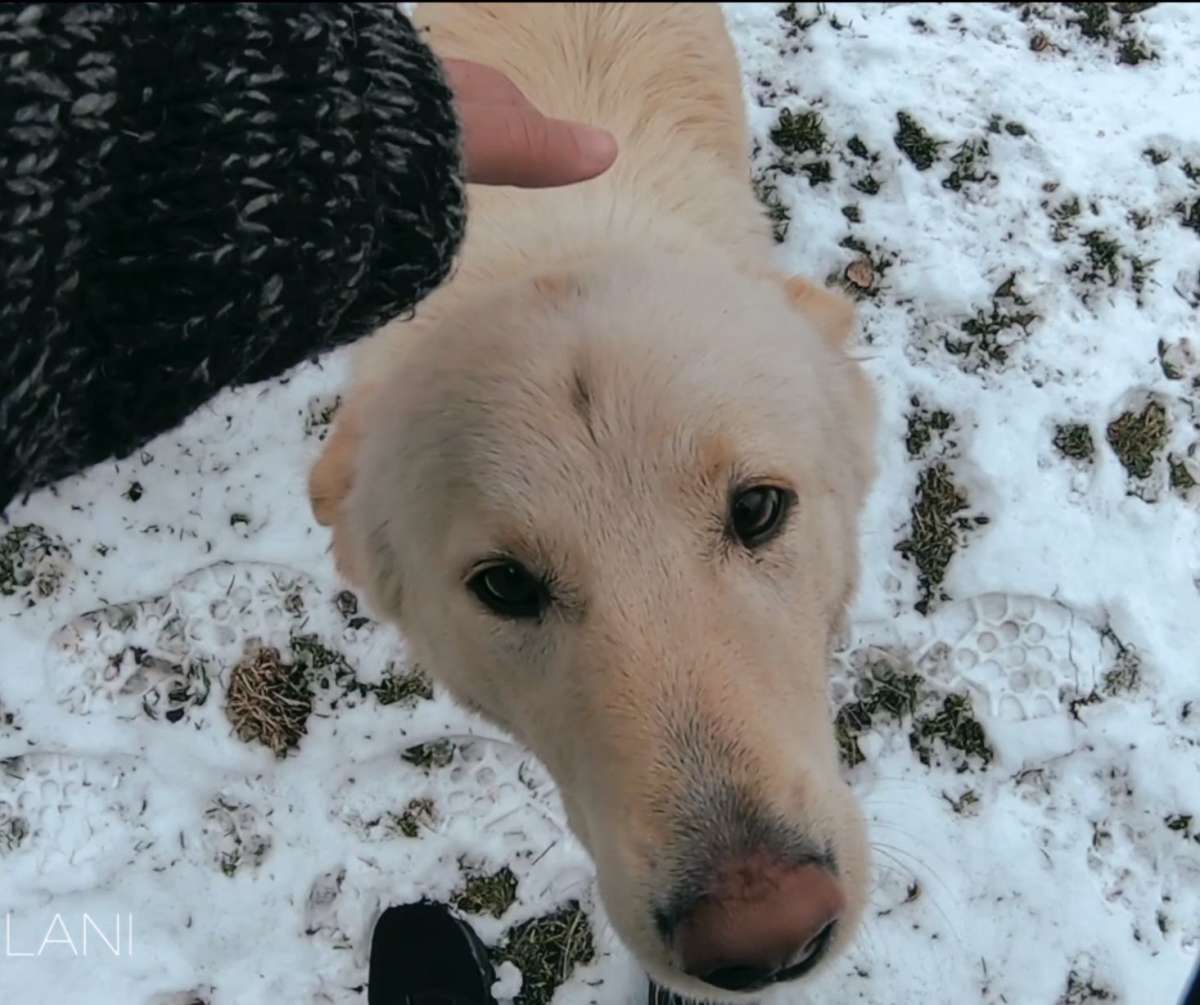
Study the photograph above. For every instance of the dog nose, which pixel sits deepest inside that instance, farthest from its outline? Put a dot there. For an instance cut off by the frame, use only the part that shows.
(759, 924)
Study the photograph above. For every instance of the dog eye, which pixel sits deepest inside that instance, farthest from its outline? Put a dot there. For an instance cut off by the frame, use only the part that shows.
(509, 590)
(757, 514)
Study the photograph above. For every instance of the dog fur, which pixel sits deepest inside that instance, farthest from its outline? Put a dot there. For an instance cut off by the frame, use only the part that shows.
(608, 362)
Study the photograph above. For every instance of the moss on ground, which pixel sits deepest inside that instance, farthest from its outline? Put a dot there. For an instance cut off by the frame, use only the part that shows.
(492, 893)
(916, 143)
(1139, 438)
(1074, 440)
(546, 950)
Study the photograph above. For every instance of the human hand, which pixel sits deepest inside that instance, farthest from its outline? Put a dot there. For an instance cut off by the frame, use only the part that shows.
(506, 141)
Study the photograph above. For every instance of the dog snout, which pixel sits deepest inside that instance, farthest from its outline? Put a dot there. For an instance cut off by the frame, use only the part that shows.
(759, 924)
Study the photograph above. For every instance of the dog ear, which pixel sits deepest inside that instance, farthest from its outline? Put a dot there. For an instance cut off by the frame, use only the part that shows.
(332, 478)
(831, 313)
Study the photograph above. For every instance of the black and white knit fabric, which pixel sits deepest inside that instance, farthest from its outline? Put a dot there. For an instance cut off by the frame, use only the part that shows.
(195, 195)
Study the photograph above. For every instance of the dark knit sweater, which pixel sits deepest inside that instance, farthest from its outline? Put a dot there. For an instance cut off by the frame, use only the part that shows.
(197, 195)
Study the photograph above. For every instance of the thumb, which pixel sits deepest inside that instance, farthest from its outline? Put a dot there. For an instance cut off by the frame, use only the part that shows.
(516, 145)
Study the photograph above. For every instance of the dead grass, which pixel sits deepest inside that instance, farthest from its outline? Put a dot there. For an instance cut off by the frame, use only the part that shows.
(490, 894)
(269, 701)
(916, 143)
(406, 688)
(1139, 438)
(546, 950)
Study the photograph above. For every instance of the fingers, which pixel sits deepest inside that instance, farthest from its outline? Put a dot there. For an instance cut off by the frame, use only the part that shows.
(474, 83)
(506, 141)
(515, 145)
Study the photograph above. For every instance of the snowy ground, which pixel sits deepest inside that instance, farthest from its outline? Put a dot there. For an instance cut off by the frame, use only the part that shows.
(1019, 700)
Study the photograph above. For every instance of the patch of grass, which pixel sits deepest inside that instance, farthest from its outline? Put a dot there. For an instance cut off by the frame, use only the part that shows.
(955, 727)
(884, 694)
(817, 173)
(1181, 823)
(1189, 216)
(799, 132)
(1103, 252)
(1155, 156)
(269, 701)
(237, 845)
(791, 16)
(915, 142)
(923, 425)
(1083, 990)
(1074, 440)
(777, 212)
(436, 754)
(1133, 50)
(1064, 216)
(546, 950)
(33, 563)
(418, 813)
(1139, 438)
(936, 530)
(1093, 21)
(1181, 478)
(852, 214)
(969, 166)
(408, 688)
(14, 832)
(982, 344)
(868, 184)
(965, 805)
(857, 147)
(1125, 675)
(327, 669)
(484, 894)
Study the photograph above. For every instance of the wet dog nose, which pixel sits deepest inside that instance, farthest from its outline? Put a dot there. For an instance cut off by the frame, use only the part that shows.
(758, 925)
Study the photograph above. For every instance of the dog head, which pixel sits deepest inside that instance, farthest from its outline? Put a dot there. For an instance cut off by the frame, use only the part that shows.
(614, 509)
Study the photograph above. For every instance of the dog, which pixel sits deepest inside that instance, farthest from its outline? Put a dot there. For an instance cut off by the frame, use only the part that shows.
(607, 483)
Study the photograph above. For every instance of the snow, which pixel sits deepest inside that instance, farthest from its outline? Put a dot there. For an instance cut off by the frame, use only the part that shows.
(1072, 876)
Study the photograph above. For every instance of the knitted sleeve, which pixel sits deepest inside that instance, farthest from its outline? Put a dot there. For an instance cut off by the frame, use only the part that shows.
(196, 195)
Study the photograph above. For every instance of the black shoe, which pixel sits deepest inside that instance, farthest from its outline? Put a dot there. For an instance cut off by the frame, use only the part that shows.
(422, 955)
